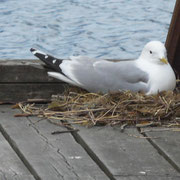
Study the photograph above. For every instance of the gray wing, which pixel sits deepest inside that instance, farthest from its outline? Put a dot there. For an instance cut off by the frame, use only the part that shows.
(97, 75)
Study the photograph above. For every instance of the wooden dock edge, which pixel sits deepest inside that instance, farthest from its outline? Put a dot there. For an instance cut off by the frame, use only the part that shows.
(25, 79)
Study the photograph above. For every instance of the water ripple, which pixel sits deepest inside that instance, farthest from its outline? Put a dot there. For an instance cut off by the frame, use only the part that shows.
(106, 28)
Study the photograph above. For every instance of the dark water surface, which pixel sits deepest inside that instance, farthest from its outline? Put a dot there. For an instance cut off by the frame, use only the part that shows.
(97, 28)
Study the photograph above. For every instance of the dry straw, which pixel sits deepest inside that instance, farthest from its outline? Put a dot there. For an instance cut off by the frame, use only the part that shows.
(77, 106)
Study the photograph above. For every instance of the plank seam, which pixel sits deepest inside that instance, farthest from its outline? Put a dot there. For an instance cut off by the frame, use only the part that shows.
(161, 152)
(19, 153)
(52, 146)
(92, 155)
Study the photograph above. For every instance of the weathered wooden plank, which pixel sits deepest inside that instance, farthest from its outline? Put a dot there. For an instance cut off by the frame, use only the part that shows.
(23, 79)
(21, 92)
(11, 167)
(147, 178)
(173, 39)
(168, 143)
(23, 71)
(126, 155)
(15, 177)
(50, 156)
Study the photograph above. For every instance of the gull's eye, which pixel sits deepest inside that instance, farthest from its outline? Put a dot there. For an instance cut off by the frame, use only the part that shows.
(150, 52)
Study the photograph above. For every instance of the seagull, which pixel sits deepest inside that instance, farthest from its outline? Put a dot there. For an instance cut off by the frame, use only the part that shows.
(150, 73)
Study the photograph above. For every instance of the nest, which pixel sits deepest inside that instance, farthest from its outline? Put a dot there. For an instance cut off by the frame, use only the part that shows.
(77, 106)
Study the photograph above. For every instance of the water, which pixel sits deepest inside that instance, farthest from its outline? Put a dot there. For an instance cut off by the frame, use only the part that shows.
(97, 28)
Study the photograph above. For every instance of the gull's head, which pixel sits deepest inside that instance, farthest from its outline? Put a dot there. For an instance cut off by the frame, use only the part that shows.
(154, 52)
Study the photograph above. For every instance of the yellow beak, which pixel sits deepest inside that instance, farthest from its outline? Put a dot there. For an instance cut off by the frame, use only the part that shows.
(164, 60)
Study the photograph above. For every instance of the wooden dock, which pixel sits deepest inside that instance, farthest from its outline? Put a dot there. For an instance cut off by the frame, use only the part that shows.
(24, 79)
(29, 151)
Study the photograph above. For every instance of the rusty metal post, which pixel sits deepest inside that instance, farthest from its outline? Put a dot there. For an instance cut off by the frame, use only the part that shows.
(173, 39)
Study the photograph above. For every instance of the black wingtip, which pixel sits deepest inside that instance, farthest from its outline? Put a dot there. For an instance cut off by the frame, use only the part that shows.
(49, 60)
(32, 49)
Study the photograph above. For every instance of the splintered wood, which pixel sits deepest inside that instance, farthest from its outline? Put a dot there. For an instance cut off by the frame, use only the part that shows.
(76, 106)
